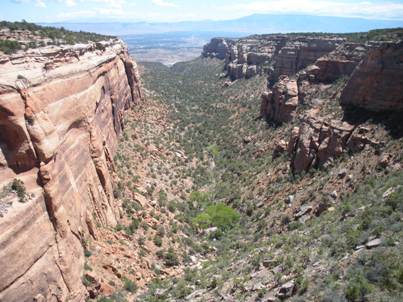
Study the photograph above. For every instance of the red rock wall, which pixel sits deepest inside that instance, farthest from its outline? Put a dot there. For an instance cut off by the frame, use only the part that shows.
(58, 133)
(377, 82)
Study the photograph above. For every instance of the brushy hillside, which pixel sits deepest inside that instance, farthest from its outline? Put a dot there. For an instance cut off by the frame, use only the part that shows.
(350, 250)
(24, 35)
(393, 34)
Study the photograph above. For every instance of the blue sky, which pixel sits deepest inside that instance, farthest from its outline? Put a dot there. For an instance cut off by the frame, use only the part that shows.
(180, 10)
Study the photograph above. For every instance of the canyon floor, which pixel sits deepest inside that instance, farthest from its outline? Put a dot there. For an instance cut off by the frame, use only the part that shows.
(331, 234)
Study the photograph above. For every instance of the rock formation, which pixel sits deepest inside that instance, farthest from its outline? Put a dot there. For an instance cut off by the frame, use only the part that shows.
(279, 103)
(61, 112)
(338, 63)
(376, 84)
(298, 53)
(316, 142)
(217, 48)
(274, 54)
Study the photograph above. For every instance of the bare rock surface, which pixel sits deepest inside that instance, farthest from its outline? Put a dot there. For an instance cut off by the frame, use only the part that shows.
(269, 54)
(317, 141)
(376, 84)
(61, 112)
(340, 62)
(279, 103)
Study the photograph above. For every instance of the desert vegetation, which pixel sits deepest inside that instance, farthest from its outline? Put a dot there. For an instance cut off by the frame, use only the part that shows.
(33, 35)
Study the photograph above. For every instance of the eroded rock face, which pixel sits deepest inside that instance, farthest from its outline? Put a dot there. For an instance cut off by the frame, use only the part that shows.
(269, 54)
(300, 52)
(279, 103)
(61, 111)
(316, 142)
(217, 48)
(338, 63)
(376, 84)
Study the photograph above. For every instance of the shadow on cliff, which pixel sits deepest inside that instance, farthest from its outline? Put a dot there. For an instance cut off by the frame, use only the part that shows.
(392, 121)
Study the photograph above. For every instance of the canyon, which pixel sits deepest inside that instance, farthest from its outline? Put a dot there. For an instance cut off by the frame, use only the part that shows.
(298, 68)
(267, 169)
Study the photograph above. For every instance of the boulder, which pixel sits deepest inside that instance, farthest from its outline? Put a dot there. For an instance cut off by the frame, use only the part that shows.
(279, 148)
(286, 290)
(373, 243)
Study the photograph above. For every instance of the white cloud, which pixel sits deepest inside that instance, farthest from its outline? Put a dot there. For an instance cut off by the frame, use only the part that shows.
(365, 9)
(77, 14)
(40, 3)
(163, 3)
(111, 3)
(70, 2)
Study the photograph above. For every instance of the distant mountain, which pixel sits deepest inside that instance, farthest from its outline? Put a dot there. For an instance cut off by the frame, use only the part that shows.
(253, 24)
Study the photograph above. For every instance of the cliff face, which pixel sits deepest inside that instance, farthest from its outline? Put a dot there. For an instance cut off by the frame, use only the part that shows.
(280, 102)
(376, 84)
(370, 77)
(61, 112)
(273, 54)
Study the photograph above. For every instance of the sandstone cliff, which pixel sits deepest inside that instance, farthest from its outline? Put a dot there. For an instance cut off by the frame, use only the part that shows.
(377, 82)
(313, 76)
(368, 76)
(61, 112)
(273, 54)
(280, 102)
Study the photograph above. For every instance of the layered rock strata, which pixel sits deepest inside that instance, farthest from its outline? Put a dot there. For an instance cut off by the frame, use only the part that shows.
(61, 112)
(316, 142)
(269, 54)
(336, 64)
(280, 102)
(377, 82)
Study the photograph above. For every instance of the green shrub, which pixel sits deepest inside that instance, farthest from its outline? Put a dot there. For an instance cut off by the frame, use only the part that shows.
(19, 187)
(395, 200)
(170, 258)
(116, 297)
(217, 215)
(86, 281)
(9, 47)
(87, 253)
(157, 240)
(129, 285)
(162, 198)
(203, 220)
(199, 198)
(134, 225)
(357, 288)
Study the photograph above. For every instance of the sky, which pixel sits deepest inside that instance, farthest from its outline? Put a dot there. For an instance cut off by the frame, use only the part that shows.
(185, 10)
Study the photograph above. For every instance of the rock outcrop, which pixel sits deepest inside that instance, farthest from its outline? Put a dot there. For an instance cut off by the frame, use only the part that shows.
(217, 48)
(61, 112)
(338, 63)
(280, 102)
(317, 142)
(298, 53)
(269, 54)
(376, 84)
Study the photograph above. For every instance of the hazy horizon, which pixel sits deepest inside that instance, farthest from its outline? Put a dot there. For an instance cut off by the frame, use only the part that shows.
(41, 11)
